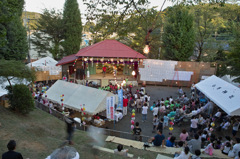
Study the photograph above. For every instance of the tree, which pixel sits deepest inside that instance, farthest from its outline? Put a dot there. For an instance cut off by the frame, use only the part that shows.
(10, 69)
(49, 33)
(234, 56)
(178, 37)
(72, 27)
(13, 37)
(20, 98)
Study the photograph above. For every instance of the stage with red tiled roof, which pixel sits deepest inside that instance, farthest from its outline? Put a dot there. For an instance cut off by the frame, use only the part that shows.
(109, 48)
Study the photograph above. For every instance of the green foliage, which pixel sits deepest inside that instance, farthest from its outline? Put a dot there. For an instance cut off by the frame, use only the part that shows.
(13, 37)
(20, 99)
(179, 36)
(49, 33)
(72, 27)
(234, 56)
(10, 69)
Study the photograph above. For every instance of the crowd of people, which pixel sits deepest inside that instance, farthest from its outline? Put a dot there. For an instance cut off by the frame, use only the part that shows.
(205, 119)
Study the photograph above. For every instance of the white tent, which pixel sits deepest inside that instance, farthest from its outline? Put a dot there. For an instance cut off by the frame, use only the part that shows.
(222, 93)
(76, 95)
(230, 79)
(46, 64)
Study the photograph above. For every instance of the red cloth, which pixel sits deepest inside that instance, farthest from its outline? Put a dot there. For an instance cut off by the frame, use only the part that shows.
(125, 102)
(104, 69)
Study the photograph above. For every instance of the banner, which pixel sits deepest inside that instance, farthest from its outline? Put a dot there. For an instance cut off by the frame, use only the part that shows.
(120, 99)
(110, 107)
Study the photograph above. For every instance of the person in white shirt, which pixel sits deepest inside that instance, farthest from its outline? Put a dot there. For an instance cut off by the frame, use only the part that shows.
(183, 155)
(194, 122)
(236, 147)
(144, 112)
(225, 125)
(170, 99)
(155, 110)
(218, 114)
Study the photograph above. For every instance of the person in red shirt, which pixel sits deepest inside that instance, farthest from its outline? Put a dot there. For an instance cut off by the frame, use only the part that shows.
(125, 104)
(104, 70)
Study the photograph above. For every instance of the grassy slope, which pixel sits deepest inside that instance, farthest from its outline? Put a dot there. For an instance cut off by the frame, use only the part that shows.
(39, 133)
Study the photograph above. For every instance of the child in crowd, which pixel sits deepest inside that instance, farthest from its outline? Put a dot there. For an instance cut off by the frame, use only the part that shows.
(165, 120)
(155, 123)
(196, 155)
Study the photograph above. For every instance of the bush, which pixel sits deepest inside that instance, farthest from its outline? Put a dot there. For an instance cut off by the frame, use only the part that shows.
(20, 98)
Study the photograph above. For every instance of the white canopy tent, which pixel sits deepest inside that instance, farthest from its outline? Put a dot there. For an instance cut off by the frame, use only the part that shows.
(222, 93)
(46, 64)
(76, 95)
(230, 79)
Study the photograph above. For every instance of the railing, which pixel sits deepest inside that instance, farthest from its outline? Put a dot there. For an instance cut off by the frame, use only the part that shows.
(108, 132)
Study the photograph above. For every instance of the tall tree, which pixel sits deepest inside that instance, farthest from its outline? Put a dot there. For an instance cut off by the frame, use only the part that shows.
(72, 27)
(179, 36)
(13, 38)
(49, 33)
(234, 56)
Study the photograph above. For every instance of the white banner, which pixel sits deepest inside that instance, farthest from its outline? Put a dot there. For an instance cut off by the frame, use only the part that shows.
(110, 107)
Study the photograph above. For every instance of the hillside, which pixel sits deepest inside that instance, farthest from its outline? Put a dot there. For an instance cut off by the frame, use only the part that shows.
(39, 133)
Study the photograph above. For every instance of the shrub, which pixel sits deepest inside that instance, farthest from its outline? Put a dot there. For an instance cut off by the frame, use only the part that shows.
(20, 98)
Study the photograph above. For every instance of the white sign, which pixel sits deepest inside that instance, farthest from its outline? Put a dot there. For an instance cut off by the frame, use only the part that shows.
(110, 107)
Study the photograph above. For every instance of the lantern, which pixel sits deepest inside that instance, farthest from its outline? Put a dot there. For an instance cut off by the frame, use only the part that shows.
(171, 128)
(133, 73)
(146, 49)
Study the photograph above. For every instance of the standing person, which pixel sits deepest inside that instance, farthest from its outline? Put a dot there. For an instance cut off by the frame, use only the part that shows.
(137, 132)
(160, 125)
(235, 128)
(125, 104)
(132, 103)
(155, 122)
(70, 127)
(193, 127)
(236, 147)
(139, 104)
(144, 112)
(11, 154)
(155, 110)
(158, 140)
(104, 70)
(166, 119)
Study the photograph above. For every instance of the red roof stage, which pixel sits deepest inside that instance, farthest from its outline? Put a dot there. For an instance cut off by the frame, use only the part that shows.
(106, 48)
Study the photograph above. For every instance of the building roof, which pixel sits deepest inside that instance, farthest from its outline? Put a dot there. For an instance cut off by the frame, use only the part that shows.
(67, 59)
(109, 48)
(106, 48)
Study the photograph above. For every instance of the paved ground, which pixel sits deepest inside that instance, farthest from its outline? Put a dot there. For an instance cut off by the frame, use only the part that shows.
(156, 92)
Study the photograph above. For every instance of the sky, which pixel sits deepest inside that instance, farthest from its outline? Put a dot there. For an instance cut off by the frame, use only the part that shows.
(39, 5)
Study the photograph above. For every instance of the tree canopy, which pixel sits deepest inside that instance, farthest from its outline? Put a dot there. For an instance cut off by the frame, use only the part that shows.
(72, 27)
(48, 35)
(179, 36)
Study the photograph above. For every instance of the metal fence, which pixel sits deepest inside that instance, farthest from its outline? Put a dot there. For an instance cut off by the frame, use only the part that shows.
(108, 132)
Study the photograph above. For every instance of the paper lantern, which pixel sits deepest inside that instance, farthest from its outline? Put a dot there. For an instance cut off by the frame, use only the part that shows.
(84, 113)
(211, 129)
(133, 111)
(212, 124)
(83, 108)
(98, 117)
(45, 95)
(151, 108)
(171, 123)
(60, 95)
(133, 118)
(133, 114)
(172, 118)
(171, 128)
(61, 100)
(63, 95)
(45, 92)
(132, 127)
(62, 104)
(132, 122)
